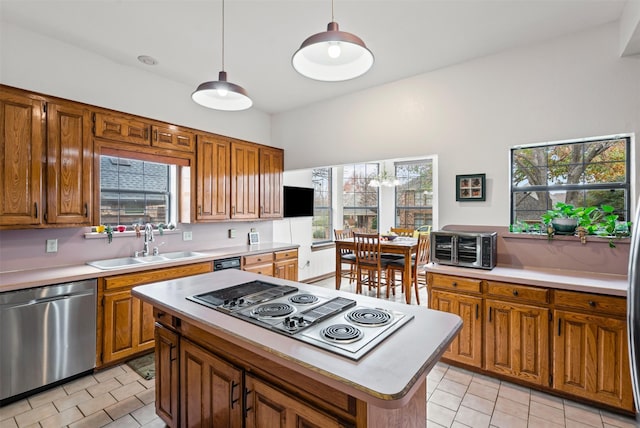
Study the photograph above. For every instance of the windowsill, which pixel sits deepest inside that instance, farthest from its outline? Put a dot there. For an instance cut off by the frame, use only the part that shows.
(323, 246)
(128, 234)
(543, 236)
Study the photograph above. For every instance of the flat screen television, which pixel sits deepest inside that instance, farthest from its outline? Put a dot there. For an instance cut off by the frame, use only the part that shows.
(298, 201)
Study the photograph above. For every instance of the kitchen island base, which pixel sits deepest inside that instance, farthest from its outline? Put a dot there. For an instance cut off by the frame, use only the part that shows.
(205, 380)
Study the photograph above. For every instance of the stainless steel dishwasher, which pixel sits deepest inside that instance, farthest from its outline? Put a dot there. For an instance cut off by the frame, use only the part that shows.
(47, 334)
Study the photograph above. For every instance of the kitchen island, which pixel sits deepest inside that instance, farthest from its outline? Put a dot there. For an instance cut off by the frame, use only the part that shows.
(216, 369)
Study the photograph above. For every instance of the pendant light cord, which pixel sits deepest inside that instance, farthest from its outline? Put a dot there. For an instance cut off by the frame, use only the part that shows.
(332, 19)
(223, 35)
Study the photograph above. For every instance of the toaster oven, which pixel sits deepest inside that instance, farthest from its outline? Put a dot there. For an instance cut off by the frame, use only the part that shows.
(465, 249)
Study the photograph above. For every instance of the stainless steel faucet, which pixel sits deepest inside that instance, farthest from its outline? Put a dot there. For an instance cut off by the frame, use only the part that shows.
(148, 237)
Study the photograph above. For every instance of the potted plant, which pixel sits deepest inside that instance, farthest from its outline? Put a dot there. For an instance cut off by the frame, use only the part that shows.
(564, 218)
(609, 226)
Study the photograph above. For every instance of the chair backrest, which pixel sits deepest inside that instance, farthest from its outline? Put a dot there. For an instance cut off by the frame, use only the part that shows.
(422, 253)
(367, 248)
(402, 232)
(343, 233)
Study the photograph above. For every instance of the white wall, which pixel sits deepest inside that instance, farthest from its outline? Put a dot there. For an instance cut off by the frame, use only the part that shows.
(40, 64)
(469, 115)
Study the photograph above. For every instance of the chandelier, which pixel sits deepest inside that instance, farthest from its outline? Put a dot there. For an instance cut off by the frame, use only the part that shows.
(384, 180)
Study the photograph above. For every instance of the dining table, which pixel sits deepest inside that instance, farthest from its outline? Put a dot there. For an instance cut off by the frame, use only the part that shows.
(405, 246)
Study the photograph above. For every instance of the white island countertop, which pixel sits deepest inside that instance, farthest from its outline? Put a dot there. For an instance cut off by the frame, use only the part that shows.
(385, 377)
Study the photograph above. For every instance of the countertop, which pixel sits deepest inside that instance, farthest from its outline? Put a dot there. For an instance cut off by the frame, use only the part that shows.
(587, 282)
(385, 376)
(20, 279)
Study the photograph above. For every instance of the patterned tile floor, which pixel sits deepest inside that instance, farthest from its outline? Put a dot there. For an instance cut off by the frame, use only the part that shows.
(119, 397)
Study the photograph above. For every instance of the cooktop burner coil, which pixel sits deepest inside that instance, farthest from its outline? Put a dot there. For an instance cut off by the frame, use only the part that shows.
(369, 317)
(273, 310)
(341, 333)
(303, 299)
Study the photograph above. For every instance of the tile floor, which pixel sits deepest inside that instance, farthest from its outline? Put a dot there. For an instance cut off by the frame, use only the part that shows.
(118, 397)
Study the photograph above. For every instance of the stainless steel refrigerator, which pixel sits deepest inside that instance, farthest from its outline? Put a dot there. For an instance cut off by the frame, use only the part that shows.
(633, 311)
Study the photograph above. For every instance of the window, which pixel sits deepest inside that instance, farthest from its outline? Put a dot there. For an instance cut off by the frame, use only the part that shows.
(359, 200)
(414, 194)
(580, 173)
(321, 205)
(136, 191)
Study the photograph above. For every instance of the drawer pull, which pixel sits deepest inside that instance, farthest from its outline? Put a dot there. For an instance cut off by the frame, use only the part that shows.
(592, 303)
(515, 292)
(455, 284)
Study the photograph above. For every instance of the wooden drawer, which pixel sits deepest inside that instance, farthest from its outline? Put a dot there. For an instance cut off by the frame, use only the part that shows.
(121, 128)
(287, 254)
(459, 283)
(591, 302)
(258, 259)
(518, 292)
(139, 278)
(265, 269)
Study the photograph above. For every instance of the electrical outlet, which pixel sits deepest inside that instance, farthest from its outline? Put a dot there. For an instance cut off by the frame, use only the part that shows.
(232, 233)
(52, 245)
(187, 236)
(308, 263)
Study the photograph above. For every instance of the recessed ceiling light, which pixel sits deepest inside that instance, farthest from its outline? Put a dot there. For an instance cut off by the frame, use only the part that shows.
(148, 60)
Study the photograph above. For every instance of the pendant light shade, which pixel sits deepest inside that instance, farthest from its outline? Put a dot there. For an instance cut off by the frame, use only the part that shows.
(332, 56)
(220, 94)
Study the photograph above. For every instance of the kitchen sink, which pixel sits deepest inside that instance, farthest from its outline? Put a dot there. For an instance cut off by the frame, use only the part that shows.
(124, 262)
(181, 255)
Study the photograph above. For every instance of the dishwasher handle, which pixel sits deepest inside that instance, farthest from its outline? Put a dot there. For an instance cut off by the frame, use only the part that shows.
(44, 300)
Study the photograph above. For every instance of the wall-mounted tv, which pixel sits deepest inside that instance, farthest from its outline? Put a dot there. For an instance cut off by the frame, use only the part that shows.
(298, 201)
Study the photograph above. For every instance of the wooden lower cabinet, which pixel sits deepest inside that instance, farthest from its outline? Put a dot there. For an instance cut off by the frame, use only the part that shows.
(210, 389)
(166, 356)
(517, 341)
(267, 407)
(591, 358)
(279, 264)
(467, 346)
(194, 387)
(125, 324)
(568, 342)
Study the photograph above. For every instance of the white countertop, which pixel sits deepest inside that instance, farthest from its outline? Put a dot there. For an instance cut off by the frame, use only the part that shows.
(19, 279)
(588, 282)
(385, 376)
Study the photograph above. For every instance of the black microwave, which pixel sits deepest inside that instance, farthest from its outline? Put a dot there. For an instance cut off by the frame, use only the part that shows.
(464, 249)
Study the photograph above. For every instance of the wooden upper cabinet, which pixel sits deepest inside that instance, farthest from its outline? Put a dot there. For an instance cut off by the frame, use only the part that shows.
(69, 164)
(245, 173)
(21, 160)
(121, 128)
(172, 138)
(271, 168)
(213, 175)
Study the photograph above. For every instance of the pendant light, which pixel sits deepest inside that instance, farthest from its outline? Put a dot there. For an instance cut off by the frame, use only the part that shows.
(221, 94)
(332, 56)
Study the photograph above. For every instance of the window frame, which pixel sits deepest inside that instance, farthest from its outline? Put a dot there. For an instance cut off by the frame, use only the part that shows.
(407, 207)
(329, 208)
(625, 186)
(366, 179)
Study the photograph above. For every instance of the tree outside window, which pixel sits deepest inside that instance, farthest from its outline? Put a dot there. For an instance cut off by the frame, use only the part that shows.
(360, 201)
(581, 173)
(414, 194)
(321, 224)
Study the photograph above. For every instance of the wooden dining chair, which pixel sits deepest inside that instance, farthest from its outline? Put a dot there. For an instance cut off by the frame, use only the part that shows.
(369, 262)
(418, 265)
(402, 231)
(346, 256)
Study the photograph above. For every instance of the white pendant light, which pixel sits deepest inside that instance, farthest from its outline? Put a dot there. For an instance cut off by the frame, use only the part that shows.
(332, 56)
(220, 94)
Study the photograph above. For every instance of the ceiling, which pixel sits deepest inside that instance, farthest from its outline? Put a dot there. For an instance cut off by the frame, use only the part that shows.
(406, 37)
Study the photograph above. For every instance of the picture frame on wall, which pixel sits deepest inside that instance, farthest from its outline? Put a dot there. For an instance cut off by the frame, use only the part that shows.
(254, 238)
(470, 187)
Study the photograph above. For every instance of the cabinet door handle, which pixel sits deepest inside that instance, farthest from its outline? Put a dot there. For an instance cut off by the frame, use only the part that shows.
(477, 309)
(36, 207)
(246, 408)
(489, 313)
(146, 133)
(199, 209)
(559, 326)
(155, 135)
(234, 385)
(515, 292)
(86, 209)
(173, 355)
